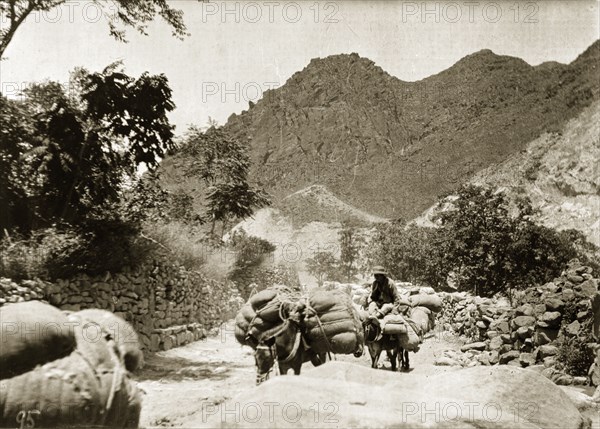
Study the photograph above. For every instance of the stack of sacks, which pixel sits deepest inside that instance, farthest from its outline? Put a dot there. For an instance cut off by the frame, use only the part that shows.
(260, 316)
(84, 382)
(332, 323)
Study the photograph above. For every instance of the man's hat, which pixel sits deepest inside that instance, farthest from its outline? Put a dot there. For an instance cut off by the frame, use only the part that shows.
(378, 269)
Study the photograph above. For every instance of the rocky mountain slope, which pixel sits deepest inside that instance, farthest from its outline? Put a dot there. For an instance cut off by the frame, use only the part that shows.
(559, 171)
(391, 147)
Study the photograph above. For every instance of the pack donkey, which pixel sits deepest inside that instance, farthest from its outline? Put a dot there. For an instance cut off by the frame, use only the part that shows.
(287, 347)
(377, 342)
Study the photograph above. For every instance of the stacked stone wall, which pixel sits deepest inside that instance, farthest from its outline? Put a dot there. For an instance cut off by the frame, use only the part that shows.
(168, 305)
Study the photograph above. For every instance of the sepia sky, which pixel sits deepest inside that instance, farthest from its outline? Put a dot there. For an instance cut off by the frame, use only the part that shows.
(236, 50)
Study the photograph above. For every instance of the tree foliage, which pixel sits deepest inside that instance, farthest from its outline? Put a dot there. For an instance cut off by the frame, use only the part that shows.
(68, 155)
(323, 266)
(222, 163)
(251, 252)
(485, 244)
(120, 14)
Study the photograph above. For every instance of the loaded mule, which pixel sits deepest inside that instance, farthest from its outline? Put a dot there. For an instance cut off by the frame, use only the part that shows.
(377, 342)
(391, 337)
(288, 347)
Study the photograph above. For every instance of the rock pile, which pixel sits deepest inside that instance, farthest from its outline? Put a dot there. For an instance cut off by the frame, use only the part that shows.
(528, 333)
(26, 291)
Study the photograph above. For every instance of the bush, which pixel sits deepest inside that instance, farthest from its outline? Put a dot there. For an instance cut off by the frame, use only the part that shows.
(178, 241)
(485, 243)
(250, 254)
(39, 255)
(575, 356)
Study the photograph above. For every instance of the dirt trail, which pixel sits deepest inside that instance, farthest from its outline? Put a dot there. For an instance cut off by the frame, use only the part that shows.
(182, 382)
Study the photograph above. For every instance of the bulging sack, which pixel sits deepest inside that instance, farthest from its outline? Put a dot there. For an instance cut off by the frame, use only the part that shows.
(89, 387)
(411, 340)
(422, 317)
(431, 301)
(332, 323)
(260, 316)
(32, 333)
(393, 324)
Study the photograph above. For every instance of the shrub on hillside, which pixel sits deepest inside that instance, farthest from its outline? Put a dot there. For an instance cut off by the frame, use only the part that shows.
(179, 242)
(485, 243)
(251, 252)
(575, 356)
(40, 255)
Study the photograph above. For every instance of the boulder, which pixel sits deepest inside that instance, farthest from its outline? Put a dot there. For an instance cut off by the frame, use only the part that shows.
(539, 309)
(524, 332)
(526, 359)
(552, 318)
(496, 343)
(508, 356)
(521, 321)
(554, 304)
(573, 328)
(547, 350)
(588, 287)
(473, 346)
(503, 327)
(524, 310)
(544, 335)
(364, 397)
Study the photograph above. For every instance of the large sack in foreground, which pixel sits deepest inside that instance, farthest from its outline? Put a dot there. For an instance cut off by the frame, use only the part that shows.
(332, 323)
(87, 388)
(120, 331)
(32, 333)
(431, 301)
(340, 394)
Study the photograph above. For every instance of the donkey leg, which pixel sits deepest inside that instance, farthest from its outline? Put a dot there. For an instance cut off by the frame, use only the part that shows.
(392, 355)
(374, 351)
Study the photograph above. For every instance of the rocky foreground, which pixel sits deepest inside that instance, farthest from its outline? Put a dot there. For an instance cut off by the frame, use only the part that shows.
(341, 394)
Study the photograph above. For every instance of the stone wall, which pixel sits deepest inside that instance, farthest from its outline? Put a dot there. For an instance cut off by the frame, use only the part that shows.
(527, 333)
(166, 304)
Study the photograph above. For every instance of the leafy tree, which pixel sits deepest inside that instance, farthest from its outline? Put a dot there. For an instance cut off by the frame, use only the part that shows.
(250, 254)
(221, 162)
(119, 13)
(147, 200)
(485, 243)
(409, 252)
(74, 152)
(492, 245)
(323, 266)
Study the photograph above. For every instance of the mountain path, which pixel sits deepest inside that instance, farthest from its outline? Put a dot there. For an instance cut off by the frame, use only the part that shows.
(181, 384)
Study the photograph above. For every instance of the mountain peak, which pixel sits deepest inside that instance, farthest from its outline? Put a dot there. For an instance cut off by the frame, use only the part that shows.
(342, 120)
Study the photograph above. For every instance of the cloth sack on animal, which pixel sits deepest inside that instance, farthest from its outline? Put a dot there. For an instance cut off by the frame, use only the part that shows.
(261, 315)
(422, 317)
(332, 323)
(32, 333)
(393, 324)
(89, 387)
(431, 301)
(412, 339)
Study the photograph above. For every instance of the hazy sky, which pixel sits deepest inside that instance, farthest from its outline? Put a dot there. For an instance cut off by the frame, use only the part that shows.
(239, 49)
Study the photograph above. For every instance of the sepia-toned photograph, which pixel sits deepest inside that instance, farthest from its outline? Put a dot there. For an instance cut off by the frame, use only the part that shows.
(311, 213)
